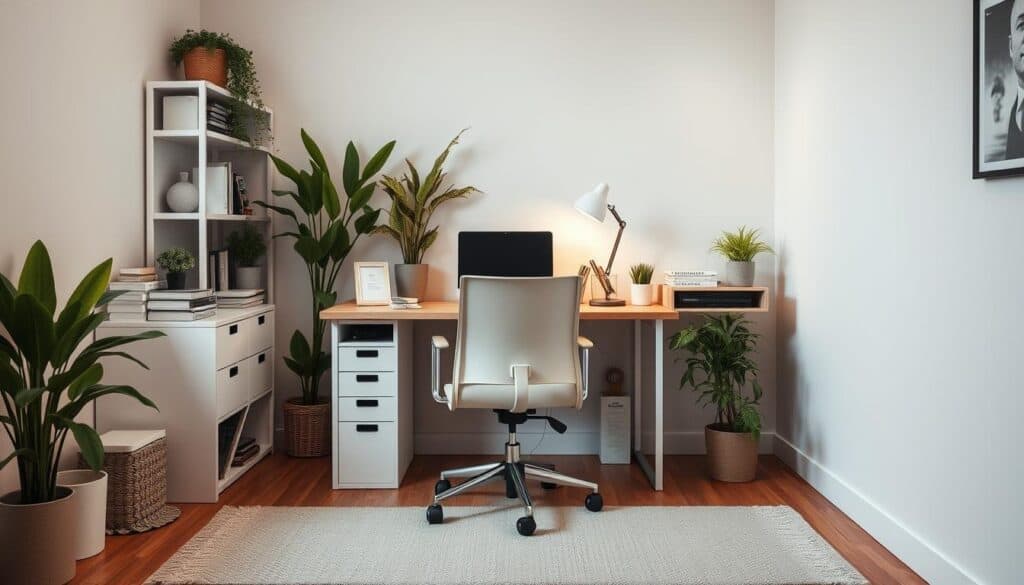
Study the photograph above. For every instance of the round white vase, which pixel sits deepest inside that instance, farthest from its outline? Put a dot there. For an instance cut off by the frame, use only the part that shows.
(641, 295)
(183, 196)
(89, 509)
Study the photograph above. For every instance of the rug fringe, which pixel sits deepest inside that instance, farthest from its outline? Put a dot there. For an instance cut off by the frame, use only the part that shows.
(812, 548)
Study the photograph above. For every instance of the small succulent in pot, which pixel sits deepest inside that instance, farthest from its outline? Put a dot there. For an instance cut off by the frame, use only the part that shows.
(176, 261)
(739, 248)
(641, 291)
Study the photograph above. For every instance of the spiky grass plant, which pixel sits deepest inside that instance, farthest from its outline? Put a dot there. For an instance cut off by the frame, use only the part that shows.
(742, 245)
(641, 273)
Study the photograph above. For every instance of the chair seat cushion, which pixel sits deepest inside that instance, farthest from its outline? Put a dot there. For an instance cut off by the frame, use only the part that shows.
(501, 396)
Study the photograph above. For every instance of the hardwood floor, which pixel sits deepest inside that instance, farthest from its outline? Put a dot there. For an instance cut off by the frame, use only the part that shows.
(282, 481)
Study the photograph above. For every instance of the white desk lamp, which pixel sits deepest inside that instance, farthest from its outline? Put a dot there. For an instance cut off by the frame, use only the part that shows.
(594, 204)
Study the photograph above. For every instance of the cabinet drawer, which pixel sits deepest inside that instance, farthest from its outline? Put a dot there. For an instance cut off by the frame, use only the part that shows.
(367, 384)
(358, 409)
(261, 372)
(260, 332)
(366, 359)
(367, 452)
(232, 388)
(232, 343)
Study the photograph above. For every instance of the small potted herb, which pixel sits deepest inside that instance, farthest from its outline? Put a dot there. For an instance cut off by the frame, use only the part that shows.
(740, 248)
(176, 261)
(247, 247)
(641, 291)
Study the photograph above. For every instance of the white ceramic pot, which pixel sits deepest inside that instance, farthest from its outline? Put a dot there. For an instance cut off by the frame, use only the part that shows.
(89, 509)
(641, 295)
(183, 196)
(249, 277)
(37, 543)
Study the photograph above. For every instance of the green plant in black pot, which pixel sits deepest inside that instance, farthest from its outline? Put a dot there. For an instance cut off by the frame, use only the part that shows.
(176, 261)
(247, 247)
(718, 370)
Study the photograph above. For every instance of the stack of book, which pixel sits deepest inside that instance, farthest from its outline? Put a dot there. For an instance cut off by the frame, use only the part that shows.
(218, 118)
(181, 305)
(240, 298)
(246, 450)
(136, 283)
(405, 303)
(695, 278)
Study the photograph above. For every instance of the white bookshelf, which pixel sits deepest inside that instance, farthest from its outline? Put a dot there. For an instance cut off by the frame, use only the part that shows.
(169, 152)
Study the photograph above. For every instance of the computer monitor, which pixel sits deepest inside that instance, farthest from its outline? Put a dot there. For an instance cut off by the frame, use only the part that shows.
(505, 254)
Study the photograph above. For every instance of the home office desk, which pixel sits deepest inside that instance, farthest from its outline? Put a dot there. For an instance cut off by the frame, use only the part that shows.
(372, 386)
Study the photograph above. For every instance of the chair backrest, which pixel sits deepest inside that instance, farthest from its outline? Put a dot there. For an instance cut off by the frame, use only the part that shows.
(506, 321)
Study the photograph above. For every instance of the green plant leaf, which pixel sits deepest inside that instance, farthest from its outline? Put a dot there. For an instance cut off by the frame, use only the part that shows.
(27, 396)
(279, 209)
(33, 330)
(332, 203)
(299, 369)
(88, 442)
(308, 248)
(73, 337)
(341, 245)
(299, 347)
(89, 377)
(285, 169)
(86, 294)
(325, 300)
(361, 197)
(350, 170)
(366, 221)
(10, 380)
(37, 277)
(23, 452)
(377, 161)
(314, 151)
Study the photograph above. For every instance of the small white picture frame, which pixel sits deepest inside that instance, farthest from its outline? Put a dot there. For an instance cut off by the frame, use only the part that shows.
(373, 283)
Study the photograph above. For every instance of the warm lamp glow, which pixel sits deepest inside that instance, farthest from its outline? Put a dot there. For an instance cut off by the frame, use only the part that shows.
(594, 204)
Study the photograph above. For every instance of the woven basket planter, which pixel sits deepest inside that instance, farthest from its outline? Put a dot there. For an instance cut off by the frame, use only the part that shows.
(202, 64)
(307, 428)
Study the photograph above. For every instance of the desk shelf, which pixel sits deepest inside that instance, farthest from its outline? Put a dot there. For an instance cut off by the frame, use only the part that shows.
(760, 295)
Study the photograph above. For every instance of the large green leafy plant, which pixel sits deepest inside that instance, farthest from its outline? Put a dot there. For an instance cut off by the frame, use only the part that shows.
(43, 382)
(325, 229)
(413, 203)
(741, 245)
(719, 368)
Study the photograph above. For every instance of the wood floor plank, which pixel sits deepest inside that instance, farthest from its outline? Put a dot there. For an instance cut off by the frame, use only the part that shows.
(282, 481)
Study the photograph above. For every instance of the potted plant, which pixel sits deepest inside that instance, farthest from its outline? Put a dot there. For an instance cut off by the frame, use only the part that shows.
(46, 380)
(413, 203)
(718, 370)
(326, 227)
(641, 291)
(739, 248)
(217, 58)
(176, 261)
(247, 247)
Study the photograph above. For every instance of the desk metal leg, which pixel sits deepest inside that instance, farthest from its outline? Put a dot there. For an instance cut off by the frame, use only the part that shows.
(654, 470)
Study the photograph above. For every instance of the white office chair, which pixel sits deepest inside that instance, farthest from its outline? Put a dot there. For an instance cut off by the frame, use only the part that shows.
(518, 349)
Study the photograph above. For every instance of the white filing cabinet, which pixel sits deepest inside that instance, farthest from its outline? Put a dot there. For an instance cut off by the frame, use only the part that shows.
(200, 375)
(372, 403)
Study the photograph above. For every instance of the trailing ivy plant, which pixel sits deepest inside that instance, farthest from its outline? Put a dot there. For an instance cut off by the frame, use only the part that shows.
(325, 229)
(248, 120)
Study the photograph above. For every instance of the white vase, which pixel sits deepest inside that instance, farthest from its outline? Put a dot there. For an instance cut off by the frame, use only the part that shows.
(183, 196)
(641, 295)
(89, 509)
(248, 277)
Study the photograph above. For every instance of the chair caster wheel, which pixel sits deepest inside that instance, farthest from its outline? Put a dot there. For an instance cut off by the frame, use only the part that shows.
(435, 515)
(442, 485)
(548, 485)
(526, 525)
(594, 502)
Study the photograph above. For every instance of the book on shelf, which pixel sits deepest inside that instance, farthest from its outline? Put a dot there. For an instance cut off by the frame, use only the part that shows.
(691, 274)
(131, 296)
(241, 459)
(137, 278)
(137, 308)
(179, 315)
(246, 441)
(138, 286)
(248, 449)
(140, 271)
(186, 294)
(239, 293)
(228, 433)
(240, 304)
(126, 316)
(223, 269)
(401, 306)
(692, 282)
(193, 305)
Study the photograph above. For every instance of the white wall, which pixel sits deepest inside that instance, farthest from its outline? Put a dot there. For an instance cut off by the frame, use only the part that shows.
(667, 101)
(899, 337)
(71, 150)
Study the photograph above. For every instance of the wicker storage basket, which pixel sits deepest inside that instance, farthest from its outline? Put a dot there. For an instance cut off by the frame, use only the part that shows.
(307, 428)
(137, 488)
(211, 66)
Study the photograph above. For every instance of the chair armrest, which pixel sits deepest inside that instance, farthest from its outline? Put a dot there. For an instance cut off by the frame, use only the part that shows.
(437, 343)
(585, 346)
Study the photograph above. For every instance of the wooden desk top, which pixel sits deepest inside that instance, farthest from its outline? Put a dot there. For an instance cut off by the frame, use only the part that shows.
(449, 310)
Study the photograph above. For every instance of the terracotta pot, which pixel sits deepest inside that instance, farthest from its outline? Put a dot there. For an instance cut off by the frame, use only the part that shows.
(203, 64)
(411, 280)
(731, 456)
(37, 541)
(307, 428)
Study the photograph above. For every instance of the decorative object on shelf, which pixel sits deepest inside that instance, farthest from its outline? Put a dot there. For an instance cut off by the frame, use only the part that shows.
(183, 196)
(998, 147)
(247, 248)
(323, 240)
(594, 204)
(718, 370)
(739, 248)
(89, 508)
(412, 205)
(218, 186)
(176, 261)
(45, 382)
(217, 58)
(180, 112)
(641, 291)
(241, 204)
(373, 283)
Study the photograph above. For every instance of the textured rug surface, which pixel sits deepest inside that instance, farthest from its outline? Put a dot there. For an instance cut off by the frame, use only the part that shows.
(618, 546)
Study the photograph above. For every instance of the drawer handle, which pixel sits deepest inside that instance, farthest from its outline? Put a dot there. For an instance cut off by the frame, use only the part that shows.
(232, 329)
(261, 320)
(367, 403)
(367, 378)
(262, 358)
(233, 372)
(366, 428)
(366, 353)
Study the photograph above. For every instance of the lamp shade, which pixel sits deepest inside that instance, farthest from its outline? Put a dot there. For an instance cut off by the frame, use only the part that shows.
(594, 203)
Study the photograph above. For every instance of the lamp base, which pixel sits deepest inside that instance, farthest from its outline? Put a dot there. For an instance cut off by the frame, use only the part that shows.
(607, 303)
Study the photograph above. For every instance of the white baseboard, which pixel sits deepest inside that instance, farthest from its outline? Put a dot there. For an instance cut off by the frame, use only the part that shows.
(898, 538)
(676, 443)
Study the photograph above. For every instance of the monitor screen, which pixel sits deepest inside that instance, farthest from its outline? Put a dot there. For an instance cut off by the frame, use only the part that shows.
(505, 254)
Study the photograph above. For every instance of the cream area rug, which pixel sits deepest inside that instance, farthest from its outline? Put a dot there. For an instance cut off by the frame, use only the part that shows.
(478, 546)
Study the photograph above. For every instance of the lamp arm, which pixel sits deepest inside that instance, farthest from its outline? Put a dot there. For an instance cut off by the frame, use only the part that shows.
(618, 238)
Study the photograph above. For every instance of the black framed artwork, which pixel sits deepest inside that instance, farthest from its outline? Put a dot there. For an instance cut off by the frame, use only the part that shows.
(998, 88)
